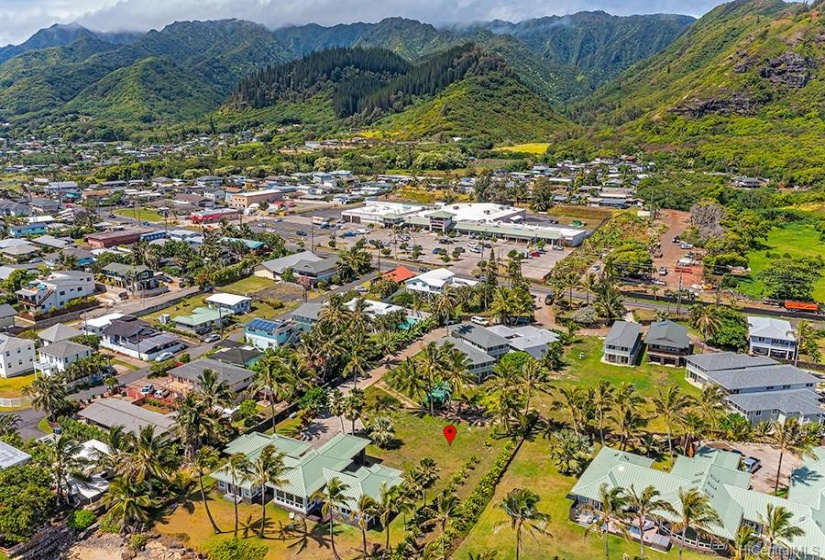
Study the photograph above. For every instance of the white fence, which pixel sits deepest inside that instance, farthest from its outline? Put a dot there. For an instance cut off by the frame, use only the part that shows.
(15, 403)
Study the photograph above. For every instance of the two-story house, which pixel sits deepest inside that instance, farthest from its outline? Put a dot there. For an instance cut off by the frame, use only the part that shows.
(668, 343)
(130, 277)
(133, 337)
(434, 282)
(263, 333)
(234, 303)
(55, 291)
(56, 357)
(16, 356)
(623, 344)
(238, 378)
(771, 337)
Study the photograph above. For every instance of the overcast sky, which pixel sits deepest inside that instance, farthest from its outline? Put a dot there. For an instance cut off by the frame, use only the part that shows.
(20, 18)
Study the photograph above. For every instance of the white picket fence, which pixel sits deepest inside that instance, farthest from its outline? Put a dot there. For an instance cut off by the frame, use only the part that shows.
(15, 403)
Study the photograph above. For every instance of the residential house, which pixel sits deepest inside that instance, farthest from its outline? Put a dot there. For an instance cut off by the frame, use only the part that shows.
(55, 291)
(136, 338)
(479, 363)
(238, 378)
(95, 326)
(44, 205)
(19, 253)
(234, 303)
(306, 315)
(7, 314)
(107, 239)
(309, 471)
(716, 475)
(134, 278)
(202, 320)
(57, 333)
(771, 337)
(56, 357)
(434, 282)
(668, 343)
(757, 387)
(13, 208)
(263, 333)
(82, 258)
(109, 412)
(208, 181)
(10, 456)
(26, 230)
(399, 274)
(305, 263)
(623, 344)
(482, 338)
(51, 242)
(528, 338)
(241, 356)
(16, 356)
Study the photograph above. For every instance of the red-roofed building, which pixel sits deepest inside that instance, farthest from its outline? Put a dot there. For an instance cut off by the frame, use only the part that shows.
(399, 274)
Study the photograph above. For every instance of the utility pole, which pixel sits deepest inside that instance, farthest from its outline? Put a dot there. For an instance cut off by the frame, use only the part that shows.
(679, 293)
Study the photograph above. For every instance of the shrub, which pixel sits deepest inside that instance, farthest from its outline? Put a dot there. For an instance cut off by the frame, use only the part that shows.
(236, 549)
(138, 541)
(81, 519)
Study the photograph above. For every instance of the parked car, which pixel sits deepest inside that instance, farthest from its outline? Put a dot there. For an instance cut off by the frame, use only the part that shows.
(161, 393)
(361, 289)
(662, 271)
(301, 233)
(677, 239)
(548, 299)
(147, 390)
(163, 356)
(214, 337)
(481, 321)
(751, 464)
(558, 248)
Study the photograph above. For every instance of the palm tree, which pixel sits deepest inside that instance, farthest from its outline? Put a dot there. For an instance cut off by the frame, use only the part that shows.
(602, 398)
(778, 527)
(152, 458)
(336, 406)
(713, 405)
(706, 320)
(365, 509)
(694, 428)
(569, 451)
(533, 377)
(382, 431)
(791, 437)
(608, 303)
(392, 501)
(238, 470)
(360, 320)
(446, 508)
(354, 404)
(644, 503)
(268, 379)
(214, 392)
(696, 513)
(205, 460)
(445, 305)
(64, 456)
(334, 497)
(267, 469)
(521, 506)
(669, 404)
(590, 285)
(745, 540)
(610, 514)
(805, 332)
(128, 501)
(48, 394)
(9, 423)
(357, 361)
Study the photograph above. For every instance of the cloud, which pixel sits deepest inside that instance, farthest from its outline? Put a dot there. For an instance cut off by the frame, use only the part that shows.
(20, 18)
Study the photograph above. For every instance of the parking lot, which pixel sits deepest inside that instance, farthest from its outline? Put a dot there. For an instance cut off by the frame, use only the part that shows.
(300, 227)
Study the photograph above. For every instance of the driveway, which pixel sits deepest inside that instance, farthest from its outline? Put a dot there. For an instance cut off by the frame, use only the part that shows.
(764, 479)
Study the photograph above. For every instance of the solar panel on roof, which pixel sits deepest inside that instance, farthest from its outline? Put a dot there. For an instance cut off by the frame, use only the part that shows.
(262, 324)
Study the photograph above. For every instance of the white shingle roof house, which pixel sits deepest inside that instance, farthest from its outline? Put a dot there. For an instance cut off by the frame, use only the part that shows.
(771, 337)
(434, 281)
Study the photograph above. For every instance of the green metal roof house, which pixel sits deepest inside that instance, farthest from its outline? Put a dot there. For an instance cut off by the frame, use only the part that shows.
(203, 319)
(716, 474)
(309, 470)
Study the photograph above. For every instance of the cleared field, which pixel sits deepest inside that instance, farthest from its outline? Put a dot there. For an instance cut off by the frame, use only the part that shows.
(797, 240)
(142, 214)
(536, 148)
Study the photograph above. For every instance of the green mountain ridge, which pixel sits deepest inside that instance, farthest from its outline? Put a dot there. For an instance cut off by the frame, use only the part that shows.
(39, 86)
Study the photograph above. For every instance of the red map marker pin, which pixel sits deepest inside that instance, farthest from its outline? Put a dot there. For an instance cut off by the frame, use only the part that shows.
(449, 433)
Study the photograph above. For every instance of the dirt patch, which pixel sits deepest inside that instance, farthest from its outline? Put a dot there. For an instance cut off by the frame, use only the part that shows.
(283, 292)
(677, 223)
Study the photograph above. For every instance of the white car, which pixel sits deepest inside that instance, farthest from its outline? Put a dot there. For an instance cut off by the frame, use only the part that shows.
(163, 356)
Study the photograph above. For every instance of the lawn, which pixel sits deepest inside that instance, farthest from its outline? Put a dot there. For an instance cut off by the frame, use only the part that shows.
(536, 148)
(143, 215)
(12, 387)
(247, 286)
(191, 525)
(798, 240)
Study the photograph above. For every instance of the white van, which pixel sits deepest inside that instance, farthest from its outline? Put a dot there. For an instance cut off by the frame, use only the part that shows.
(482, 321)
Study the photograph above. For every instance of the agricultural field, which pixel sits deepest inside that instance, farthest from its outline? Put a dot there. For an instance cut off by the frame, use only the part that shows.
(795, 239)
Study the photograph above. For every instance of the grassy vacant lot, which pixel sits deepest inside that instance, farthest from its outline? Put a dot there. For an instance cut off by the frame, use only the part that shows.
(247, 285)
(142, 214)
(537, 148)
(592, 216)
(12, 387)
(798, 240)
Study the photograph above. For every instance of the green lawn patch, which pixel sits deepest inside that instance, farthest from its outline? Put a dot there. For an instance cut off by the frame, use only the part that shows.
(247, 286)
(12, 387)
(796, 239)
(44, 426)
(142, 214)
